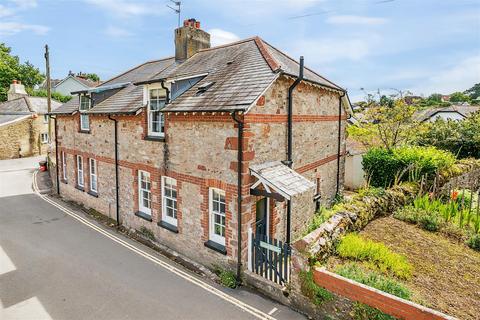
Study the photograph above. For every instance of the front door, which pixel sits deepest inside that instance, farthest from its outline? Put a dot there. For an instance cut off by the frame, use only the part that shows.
(262, 217)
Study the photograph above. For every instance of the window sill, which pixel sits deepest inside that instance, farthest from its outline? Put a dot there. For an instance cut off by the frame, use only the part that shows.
(216, 247)
(80, 188)
(154, 138)
(93, 194)
(63, 181)
(144, 216)
(84, 131)
(168, 226)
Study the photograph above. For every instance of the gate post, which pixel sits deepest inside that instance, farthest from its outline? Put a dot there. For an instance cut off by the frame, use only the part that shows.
(250, 240)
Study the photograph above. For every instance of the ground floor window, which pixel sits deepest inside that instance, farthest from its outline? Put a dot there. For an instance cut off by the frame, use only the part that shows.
(93, 175)
(44, 137)
(169, 200)
(144, 192)
(80, 180)
(217, 215)
(64, 166)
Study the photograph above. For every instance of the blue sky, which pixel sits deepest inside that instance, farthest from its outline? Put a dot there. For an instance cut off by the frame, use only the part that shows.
(424, 46)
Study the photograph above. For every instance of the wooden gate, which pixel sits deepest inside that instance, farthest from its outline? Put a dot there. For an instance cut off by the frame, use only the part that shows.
(269, 258)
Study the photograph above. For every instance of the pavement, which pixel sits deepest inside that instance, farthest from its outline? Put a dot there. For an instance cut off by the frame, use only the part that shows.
(55, 264)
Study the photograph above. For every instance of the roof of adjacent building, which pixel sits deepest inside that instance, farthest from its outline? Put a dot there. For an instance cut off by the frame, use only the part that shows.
(279, 177)
(23, 107)
(236, 75)
(463, 110)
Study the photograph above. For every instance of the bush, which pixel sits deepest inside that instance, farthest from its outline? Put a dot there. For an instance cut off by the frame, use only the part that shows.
(408, 163)
(474, 242)
(374, 280)
(409, 214)
(429, 222)
(227, 277)
(363, 312)
(353, 246)
(310, 289)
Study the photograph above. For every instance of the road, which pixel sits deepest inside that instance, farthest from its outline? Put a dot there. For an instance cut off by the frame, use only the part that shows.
(55, 264)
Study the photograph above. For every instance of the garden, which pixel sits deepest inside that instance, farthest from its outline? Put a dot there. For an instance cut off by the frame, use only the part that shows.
(414, 231)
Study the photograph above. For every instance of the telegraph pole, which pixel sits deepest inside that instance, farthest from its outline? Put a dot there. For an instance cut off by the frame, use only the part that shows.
(49, 93)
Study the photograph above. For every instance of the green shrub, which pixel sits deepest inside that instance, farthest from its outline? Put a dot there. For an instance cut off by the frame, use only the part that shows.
(408, 163)
(474, 242)
(310, 289)
(353, 246)
(373, 279)
(429, 222)
(363, 312)
(227, 277)
(409, 214)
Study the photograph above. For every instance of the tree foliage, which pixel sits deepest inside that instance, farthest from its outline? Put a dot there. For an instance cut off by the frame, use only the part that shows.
(92, 76)
(43, 93)
(458, 97)
(12, 69)
(473, 92)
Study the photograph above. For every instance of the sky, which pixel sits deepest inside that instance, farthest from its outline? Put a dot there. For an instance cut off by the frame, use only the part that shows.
(365, 46)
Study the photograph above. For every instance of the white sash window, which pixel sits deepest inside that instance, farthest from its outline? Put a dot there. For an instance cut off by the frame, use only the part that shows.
(217, 215)
(169, 200)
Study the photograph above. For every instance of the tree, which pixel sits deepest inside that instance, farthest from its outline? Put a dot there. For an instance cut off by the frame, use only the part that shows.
(457, 97)
(11, 69)
(93, 76)
(387, 126)
(473, 92)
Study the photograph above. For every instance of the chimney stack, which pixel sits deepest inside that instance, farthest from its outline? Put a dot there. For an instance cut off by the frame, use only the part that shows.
(189, 39)
(17, 90)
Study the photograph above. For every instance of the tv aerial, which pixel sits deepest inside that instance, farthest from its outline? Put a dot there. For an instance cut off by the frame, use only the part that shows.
(177, 9)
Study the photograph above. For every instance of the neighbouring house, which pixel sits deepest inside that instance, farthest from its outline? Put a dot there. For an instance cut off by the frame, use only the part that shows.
(454, 112)
(69, 84)
(196, 147)
(23, 124)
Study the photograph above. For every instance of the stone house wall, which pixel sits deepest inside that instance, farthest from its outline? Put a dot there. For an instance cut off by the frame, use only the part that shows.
(200, 152)
(22, 138)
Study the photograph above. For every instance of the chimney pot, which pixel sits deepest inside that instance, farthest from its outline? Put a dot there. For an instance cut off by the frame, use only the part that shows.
(197, 24)
(14, 81)
(190, 39)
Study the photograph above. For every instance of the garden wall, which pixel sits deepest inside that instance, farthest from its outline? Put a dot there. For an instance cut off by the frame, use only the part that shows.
(469, 177)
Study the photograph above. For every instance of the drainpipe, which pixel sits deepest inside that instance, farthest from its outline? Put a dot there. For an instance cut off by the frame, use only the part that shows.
(56, 153)
(117, 206)
(339, 140)
(289, 161)
(239, 193)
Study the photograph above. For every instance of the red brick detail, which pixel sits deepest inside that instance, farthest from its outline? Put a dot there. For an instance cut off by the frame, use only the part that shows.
(282, 118)
(201, 167)
(316, 164)
(248, 155)
(200, 117)
(261, 101)
(392, 305)
(266, 55)
(231, 143)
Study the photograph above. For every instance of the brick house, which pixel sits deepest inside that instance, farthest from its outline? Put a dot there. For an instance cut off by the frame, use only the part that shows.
(192, 138)
(23, 124)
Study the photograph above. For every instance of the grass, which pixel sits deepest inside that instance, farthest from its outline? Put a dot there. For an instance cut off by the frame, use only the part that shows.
(373, 279)
(310, 289)
(147, 233)
(363, 312)
(353, 246)
(227, 277)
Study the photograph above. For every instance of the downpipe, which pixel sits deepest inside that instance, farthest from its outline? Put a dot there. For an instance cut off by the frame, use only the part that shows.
(339, 141)
(117, 200)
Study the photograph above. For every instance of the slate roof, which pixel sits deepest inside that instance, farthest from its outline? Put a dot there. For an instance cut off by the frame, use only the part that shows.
(281, 178)
(24, 107)
(465, 111)
(239, 73)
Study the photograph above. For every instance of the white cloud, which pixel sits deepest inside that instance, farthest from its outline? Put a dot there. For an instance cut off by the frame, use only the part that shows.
(25, 4)
(125, 8)
(117, 32)
(11, 28)
(458, 77)
(359, 20)
(219, 37)
(5, 12)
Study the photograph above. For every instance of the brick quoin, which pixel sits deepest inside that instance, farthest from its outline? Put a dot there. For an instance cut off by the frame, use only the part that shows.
(397, 307)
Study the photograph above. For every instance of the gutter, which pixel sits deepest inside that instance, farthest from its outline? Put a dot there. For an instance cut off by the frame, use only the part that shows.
(339, 140)
(289, 161)
(239, 194)
(117, 200)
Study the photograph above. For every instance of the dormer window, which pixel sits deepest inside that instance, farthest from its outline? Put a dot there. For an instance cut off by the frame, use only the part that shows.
(156, 102)
(85, 105)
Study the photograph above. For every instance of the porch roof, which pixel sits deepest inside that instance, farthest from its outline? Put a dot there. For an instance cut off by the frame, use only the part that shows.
(279, 177)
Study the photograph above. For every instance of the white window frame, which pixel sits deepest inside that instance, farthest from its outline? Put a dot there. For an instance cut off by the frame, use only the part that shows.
(161, 133)
(141, 207)
(84, 118)
(165, 197)
(45, 118)
(44, 137)
(92, 167)
(80, 178)
(212, 213)
(64, 165)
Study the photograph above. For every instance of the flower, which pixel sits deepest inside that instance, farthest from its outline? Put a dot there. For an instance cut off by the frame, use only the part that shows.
(454, 195)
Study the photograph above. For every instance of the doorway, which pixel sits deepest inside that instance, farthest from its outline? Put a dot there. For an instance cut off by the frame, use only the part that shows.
(262, 217)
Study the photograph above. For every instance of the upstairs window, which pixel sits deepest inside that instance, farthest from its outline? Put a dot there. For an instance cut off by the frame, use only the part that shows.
(85, 105)
(156, 102)
(45, 118)
(44, 137)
